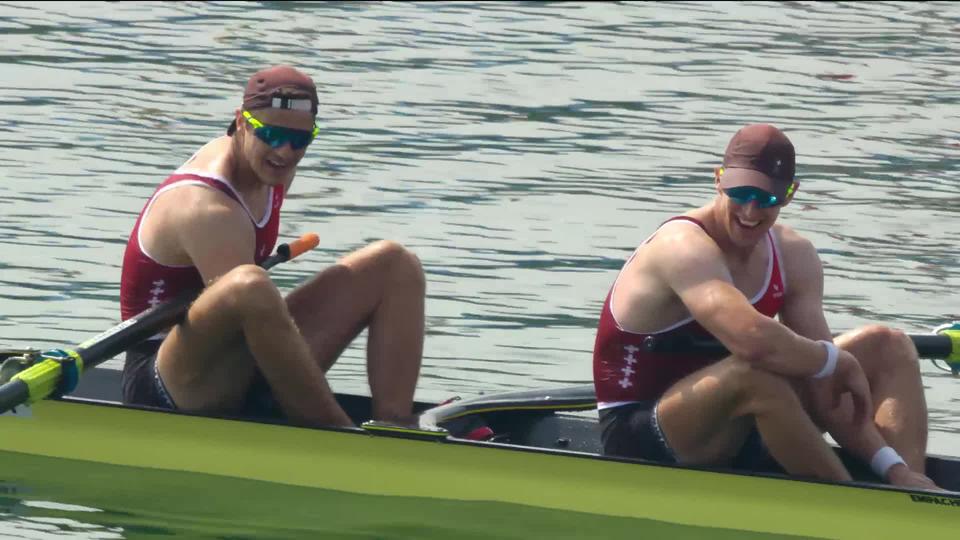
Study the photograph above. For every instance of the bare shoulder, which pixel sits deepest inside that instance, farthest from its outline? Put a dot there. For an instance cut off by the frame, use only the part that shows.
(682, 255)
(189, 217)
(799, 259)
(199, 204)
(682, 245)
(211, 157)
(796, 248)
(648, 294)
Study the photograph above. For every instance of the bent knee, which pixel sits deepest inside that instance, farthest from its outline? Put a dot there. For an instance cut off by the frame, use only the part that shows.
(759, 390)
(250, 286)
(884, 349)
(402, 265)
(247, 277)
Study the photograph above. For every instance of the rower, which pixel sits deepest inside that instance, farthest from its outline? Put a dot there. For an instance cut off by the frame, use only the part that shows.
(243, 348)
(726, 270)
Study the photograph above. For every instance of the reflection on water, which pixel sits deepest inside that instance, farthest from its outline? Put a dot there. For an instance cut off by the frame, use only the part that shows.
(201, 506)
(521, 149)
(13, 525)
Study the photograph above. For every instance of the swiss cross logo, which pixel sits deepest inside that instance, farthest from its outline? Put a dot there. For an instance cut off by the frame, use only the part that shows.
(628, 370)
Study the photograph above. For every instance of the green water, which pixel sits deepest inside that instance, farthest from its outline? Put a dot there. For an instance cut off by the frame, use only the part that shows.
(109, 501)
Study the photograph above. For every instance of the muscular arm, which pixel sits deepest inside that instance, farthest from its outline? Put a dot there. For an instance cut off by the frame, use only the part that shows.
(803, 313)
(803, 303)
(694, 268)
(212, 231)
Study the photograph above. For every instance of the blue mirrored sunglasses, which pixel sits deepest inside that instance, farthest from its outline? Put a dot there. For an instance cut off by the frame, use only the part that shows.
(742, 195)
(277, 136)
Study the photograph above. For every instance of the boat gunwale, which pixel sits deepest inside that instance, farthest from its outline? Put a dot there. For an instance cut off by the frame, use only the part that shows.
(857, 484)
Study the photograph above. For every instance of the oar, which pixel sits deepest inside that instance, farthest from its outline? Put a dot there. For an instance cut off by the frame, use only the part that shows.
(58, 370)
(943, 344)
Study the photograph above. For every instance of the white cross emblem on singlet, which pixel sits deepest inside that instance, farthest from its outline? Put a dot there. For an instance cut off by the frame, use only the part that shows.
(630, 358)
(156, 291)
(625, 382)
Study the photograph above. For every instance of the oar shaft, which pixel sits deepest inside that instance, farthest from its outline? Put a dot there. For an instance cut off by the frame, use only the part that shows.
(933, 346)
(134, 330)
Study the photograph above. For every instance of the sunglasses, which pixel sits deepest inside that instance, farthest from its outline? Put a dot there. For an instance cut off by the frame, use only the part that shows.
(277, 136)
(742, 195)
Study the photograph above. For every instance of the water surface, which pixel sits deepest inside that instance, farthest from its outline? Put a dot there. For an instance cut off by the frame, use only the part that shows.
(522, 150)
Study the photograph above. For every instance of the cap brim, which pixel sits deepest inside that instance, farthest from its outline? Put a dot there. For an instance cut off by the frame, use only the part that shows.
(736, 177)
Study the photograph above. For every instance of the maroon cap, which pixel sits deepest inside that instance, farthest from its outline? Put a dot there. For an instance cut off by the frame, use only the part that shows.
(279, 87)
(759, 155)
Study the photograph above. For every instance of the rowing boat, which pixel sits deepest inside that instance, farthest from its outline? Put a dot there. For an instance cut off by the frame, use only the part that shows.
(543, 456)
(538, 472)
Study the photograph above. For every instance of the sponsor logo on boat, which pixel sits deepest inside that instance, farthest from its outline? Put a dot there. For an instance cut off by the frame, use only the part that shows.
(934, 499)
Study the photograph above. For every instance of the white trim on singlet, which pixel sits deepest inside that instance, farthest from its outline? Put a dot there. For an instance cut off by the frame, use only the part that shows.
(266, 216)
(146, 211)
(188, 182)
(771, 252)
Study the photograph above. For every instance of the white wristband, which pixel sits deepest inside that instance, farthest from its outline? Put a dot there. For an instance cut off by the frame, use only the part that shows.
(831, 363)
(885, 458)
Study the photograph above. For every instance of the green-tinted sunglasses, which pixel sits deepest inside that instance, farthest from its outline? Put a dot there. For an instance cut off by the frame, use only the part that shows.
(277, 136)
(742, 195)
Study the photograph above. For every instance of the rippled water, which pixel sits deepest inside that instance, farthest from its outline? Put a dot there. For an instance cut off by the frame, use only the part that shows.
(522, 150)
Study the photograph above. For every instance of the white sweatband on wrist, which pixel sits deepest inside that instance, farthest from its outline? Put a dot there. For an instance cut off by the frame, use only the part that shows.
(831, 363)
(885, 458)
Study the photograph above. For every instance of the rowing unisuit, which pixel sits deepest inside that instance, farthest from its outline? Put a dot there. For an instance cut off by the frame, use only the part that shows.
(144, 282)
(624, 372)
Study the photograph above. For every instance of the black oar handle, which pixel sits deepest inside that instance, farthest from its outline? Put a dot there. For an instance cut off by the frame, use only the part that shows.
(928, 345)
(134, 330)
(12, 394)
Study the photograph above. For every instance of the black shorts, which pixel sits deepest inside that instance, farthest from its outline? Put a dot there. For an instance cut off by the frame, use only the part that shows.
(142, 385)
(633, 431)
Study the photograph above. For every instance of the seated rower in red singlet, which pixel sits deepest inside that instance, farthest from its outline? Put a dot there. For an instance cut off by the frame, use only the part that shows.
(729, 271)
(243, 348)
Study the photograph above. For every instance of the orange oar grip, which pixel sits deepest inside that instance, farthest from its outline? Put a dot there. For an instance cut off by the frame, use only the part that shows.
(303, 244)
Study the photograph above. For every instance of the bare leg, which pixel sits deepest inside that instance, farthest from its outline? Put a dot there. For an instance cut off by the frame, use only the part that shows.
(889, 360)
(381, 286)
(240, 321)
(707, 416)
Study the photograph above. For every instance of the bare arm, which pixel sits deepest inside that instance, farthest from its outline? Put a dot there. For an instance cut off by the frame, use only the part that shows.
(694, 268)
(803, 312)
(215, 233)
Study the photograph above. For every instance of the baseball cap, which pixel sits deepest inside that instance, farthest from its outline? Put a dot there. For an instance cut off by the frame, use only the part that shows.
(759, 155)
(279, 87)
